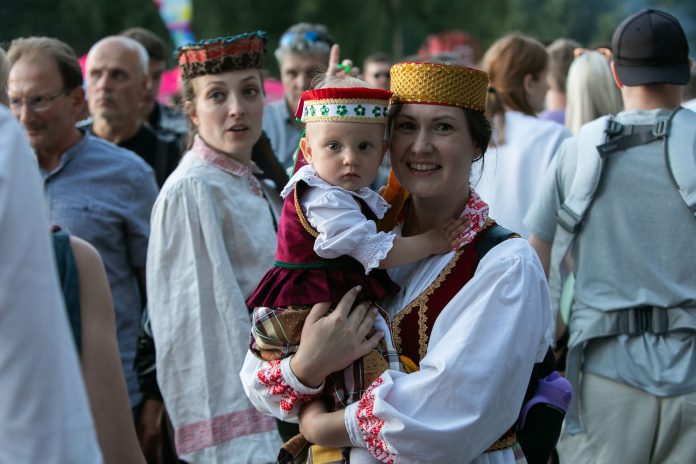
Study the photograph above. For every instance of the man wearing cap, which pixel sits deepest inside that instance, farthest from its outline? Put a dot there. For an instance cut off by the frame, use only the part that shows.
(632, 320)
(302, 55)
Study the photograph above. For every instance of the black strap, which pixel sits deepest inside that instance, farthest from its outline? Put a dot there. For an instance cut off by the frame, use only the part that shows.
(637, 135)
(493, 236)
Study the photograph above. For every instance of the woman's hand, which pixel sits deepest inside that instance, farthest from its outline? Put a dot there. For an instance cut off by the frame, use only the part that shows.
(321, 427)
(448, 236)
(331, 342)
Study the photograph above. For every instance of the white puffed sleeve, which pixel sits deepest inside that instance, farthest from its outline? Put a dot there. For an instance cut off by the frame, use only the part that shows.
(344, 229)
(473, 378)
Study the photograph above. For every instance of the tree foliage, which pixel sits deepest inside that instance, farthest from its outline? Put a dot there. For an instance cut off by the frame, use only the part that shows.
(360, 26)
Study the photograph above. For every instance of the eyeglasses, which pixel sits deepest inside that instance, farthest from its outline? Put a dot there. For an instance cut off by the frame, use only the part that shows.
(603, 50)
(36, 103)
(311, 38)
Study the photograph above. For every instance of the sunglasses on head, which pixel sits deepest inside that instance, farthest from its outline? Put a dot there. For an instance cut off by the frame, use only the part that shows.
(292, 38)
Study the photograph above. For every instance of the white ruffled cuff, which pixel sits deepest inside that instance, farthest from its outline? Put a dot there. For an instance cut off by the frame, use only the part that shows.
(374, 249)
(294, 383)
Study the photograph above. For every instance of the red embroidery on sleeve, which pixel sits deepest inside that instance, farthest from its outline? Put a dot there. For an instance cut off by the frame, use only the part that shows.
(276, 385)
(371, 426)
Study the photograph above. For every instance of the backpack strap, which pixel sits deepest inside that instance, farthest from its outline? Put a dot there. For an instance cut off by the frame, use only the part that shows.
(491, 237)
(680, 155)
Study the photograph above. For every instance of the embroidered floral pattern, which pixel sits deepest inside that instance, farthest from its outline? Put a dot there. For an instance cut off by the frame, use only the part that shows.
(341, 110)
(371, 426)
(324, 110)
(359, 110)
(376, 111)
(476, 211)
(272, 378)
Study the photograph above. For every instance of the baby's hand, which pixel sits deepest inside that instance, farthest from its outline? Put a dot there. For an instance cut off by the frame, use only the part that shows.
(447, 237)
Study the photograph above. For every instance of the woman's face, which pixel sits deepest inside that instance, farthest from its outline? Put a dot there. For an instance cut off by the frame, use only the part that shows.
(432, 151)
(228, 111)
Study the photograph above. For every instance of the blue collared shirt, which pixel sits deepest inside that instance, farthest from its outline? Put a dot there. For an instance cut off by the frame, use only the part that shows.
(104, 194)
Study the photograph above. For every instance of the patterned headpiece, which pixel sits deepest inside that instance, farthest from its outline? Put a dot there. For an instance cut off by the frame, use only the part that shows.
(353, 104)
(439, 84)
(215, 56)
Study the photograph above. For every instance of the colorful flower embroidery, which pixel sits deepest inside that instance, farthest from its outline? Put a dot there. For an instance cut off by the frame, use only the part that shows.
(376, 111)
(371, 426)
(272, 378)
(312, 111)
(324, 110)
(359, 110)
(341, 110)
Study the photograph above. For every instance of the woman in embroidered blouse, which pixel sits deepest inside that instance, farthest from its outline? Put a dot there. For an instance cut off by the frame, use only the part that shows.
(212, 239)
(475, 329)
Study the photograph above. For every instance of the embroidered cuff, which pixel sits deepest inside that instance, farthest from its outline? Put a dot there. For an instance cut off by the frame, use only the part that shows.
(373, 250)
(370, 426)
(350, 419)
(294, 382)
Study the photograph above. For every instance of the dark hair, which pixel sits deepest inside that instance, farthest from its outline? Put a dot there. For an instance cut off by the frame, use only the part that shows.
(561, 54)
(47, 47)
(156, 47)
(479, 126)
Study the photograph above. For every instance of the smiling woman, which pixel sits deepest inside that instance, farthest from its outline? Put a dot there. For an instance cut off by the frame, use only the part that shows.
(212, 238)
(470, 326)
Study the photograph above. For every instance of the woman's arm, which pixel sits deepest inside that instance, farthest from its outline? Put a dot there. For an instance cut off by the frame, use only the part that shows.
(101, 366)
(472, 381)
(329, 343)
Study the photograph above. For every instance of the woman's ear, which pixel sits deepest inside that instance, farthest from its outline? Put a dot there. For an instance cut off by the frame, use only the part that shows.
(190, 110)
(306, 149)
(528, 83)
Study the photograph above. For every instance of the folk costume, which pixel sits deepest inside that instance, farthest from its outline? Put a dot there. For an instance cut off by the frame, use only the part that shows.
(212, 238)
(328, 243)
(474, 326)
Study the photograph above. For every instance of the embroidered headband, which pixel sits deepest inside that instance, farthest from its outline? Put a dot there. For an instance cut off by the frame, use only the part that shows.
(439, 84)
(215, 56)
(349, 104)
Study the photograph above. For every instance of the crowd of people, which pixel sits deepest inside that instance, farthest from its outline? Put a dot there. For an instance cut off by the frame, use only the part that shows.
(456, 256)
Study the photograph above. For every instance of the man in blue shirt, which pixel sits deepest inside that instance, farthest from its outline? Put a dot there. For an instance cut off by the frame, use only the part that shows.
(94, 189)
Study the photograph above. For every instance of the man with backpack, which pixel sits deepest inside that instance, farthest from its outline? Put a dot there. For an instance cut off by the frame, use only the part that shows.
(617, 210)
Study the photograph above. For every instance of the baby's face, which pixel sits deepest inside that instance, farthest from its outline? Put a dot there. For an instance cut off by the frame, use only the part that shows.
(345, 154)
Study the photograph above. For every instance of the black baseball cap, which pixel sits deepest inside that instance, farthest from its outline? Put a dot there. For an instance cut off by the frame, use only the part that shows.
(650, 47)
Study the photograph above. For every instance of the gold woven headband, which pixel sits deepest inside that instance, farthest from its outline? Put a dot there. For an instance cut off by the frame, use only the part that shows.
(440, 84)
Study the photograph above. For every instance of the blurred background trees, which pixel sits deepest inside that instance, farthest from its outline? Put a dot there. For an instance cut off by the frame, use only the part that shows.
(398, 27)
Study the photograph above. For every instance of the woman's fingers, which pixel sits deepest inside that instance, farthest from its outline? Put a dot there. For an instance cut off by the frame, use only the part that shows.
(366, 322)
(318, 311)
(346, 304)
(371, 343)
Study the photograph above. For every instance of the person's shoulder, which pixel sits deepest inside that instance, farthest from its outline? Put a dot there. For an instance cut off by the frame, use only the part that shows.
(512, 252)
(112, 153)
(534, 127)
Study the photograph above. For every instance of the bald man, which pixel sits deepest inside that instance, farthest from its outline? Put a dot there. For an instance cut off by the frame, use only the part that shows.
(118, 84)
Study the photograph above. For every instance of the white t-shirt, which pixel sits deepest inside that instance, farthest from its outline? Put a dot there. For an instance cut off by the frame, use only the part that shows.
(512, 172)
(44, 412)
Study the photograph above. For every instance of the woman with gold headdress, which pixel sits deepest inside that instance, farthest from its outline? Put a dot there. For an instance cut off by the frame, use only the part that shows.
(212, 239)
(472, 326)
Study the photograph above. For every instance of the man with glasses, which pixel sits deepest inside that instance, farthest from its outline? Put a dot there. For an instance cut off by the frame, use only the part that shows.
(94, 189)
(302, 55)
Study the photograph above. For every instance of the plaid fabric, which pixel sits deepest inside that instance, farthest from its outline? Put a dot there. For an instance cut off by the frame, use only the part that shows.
(276, 332)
